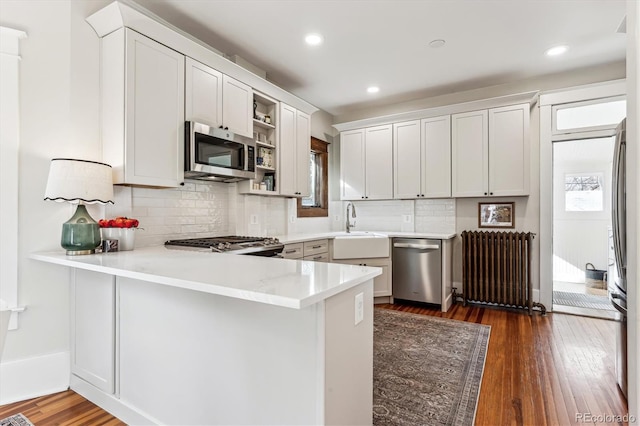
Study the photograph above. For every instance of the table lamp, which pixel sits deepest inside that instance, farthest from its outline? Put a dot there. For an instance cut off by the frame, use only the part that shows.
(80, 182)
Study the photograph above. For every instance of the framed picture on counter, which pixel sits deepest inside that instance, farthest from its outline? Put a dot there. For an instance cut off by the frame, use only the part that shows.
(496, 215)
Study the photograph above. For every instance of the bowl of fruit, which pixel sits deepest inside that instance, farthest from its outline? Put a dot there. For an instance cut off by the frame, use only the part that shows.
(122, 229)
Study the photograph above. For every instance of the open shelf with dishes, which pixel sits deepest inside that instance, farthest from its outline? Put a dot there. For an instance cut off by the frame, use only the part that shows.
(265, 134)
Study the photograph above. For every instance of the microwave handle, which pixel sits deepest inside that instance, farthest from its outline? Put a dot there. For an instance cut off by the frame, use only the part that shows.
(189, 137)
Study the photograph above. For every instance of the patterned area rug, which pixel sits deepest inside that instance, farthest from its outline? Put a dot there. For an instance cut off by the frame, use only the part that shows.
(426, 370)
(16, 420)
(582, 300)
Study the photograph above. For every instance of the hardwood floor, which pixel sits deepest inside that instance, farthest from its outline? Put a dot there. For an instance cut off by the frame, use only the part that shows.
(539, 371)
(543, 370)
(63, 408)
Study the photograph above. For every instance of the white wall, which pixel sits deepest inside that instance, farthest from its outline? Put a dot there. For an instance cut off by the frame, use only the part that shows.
(59, 118)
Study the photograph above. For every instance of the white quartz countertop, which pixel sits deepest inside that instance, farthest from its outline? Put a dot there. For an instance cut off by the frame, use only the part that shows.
(297, 238)
(280, 282)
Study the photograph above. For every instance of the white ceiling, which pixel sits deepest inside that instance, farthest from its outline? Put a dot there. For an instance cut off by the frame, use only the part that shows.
(386, 42)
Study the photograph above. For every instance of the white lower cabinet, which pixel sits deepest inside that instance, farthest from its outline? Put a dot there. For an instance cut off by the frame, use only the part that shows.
(315, 250)
(156, 354)
(381, 283)
(93, 324)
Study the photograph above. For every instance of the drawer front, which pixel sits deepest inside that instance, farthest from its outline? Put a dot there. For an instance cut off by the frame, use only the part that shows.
(321, 257)
(293, 251)
(316, 247)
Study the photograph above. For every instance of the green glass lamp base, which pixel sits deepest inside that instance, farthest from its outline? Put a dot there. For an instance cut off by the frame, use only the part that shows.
(80, 234)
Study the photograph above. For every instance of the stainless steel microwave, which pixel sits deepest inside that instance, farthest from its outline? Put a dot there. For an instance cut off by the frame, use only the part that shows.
(217, 154)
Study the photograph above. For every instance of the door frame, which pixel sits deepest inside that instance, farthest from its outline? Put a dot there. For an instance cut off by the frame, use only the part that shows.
(548, 100)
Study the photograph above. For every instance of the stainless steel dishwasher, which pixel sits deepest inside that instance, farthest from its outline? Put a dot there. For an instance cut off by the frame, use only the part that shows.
(417, 270)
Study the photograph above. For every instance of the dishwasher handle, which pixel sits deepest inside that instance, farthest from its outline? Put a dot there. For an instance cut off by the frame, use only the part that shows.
(417, 246)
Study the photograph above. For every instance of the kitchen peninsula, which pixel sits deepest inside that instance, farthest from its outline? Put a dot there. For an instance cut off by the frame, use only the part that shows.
(180, 337)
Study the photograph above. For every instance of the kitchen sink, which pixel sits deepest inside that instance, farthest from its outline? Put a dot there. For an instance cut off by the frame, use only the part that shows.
(360, 244)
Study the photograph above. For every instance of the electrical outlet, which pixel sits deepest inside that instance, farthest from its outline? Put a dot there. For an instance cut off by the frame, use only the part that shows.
(359, 305)
(406, 218)
(336, 217)
(254, 219)
(292, 219)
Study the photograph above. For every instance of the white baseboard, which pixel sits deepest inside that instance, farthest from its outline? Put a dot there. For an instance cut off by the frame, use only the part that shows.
(111, 404)
(33, 377)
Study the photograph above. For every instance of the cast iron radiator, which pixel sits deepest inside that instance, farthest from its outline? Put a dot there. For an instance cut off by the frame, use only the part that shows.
(496, 269)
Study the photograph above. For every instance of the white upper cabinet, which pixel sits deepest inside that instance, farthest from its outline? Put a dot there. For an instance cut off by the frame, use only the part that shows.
(407, 170)
(366, 163)
(509, 150)
(303, 153)
(352, 165)
(217, 100)
(378, 163)
(422, 158)
(237, 106)
(294, 151)
(142, 110)
(436, 157)
(470, 154)
(203, 97)
(490, 151)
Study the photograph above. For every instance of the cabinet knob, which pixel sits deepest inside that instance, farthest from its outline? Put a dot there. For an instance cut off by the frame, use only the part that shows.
(491, 193)
(220, 127)
(485, 193)
(362, 197)
(226, 128)
(417, 195)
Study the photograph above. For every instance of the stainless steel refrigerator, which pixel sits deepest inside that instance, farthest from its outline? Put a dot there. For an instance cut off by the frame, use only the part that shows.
(617, 284)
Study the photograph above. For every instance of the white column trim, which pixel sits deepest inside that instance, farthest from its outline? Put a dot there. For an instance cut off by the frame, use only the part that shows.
(9, 146)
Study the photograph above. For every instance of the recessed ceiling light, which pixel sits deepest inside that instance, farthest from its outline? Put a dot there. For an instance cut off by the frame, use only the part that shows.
(556, 50)
(437, 43)
(313, 39)
(373, 89)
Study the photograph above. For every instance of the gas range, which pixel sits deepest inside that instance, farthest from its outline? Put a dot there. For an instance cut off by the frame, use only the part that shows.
(255, 246)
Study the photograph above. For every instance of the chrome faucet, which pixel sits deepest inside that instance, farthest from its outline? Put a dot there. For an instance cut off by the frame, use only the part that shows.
(353, 215)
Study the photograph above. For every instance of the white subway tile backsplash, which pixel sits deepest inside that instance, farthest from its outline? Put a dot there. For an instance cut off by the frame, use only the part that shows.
(190, 229)
(437, 215)
(207, 209)
(150, 202)
(168, 211)
(179, 220)
(433, 215)
(174, 202)
(193, 210)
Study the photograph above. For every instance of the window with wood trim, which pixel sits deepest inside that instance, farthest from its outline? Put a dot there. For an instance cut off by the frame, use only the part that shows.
(317, 203)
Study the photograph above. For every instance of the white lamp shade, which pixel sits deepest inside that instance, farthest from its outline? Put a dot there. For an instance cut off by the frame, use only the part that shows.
(78, 181)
